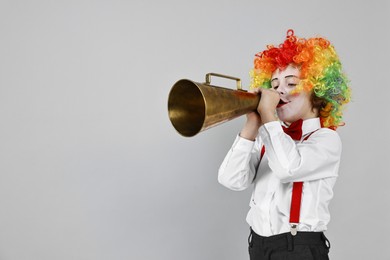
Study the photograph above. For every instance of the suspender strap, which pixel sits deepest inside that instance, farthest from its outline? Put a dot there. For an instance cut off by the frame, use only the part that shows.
(295, 209)
(296, 202)
(307, 137)
(261, 157)
(262, 152)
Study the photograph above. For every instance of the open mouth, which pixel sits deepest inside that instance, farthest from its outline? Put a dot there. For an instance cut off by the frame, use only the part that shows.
(281, 103)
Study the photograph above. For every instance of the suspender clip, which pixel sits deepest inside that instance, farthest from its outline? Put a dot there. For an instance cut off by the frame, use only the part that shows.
(294, 229)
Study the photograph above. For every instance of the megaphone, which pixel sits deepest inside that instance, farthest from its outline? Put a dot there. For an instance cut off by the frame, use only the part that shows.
(194, 107)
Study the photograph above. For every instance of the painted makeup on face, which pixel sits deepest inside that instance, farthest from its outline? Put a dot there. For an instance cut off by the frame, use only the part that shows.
(295, 106)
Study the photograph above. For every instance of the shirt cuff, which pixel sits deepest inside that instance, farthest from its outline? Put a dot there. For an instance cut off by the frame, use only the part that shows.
(243, 144)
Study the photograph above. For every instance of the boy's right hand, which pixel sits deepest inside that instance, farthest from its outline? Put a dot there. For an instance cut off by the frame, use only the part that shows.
(252, 124)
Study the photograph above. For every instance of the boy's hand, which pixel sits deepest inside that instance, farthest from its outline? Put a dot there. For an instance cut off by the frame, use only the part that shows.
(254, 116)
(269, 100)
(252, 124)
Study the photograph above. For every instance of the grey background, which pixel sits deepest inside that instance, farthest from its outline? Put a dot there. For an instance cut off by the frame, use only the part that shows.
(90, 166)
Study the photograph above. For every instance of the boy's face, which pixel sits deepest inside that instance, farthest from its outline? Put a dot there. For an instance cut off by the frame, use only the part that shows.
(292, 107)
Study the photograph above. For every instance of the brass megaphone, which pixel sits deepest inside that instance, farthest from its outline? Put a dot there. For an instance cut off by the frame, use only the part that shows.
(194, 107)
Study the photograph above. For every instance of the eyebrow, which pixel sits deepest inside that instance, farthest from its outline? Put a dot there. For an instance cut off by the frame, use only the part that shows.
(288, 76)
(291, 76)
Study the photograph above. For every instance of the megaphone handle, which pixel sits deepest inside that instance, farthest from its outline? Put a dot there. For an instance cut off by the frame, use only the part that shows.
(238, 80)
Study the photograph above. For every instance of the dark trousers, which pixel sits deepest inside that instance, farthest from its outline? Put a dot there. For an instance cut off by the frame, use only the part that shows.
(305, 245)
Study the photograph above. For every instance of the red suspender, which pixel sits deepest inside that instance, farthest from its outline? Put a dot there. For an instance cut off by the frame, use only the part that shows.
(307, 137)
(295, 209)
(296, 202)
(261, 156)
(262, 152)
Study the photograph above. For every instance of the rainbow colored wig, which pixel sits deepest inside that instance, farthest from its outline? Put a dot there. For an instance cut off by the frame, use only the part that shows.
(320, 69)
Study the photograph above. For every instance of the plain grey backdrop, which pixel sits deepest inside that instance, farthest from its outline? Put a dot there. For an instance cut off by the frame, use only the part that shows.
(91, 167)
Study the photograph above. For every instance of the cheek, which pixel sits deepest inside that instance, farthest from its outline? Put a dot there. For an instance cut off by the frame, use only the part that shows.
(294, 96)
(299, 101)
(299, 104)
(301, 98)
(296, 100)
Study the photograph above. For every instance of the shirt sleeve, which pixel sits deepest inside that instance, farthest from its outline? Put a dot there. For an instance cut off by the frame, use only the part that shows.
(239, 167)
(315, 158)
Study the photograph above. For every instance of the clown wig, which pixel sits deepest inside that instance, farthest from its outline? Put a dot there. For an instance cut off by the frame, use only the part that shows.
(321, 73)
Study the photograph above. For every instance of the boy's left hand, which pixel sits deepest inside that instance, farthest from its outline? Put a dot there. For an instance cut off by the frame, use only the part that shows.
(269, 100)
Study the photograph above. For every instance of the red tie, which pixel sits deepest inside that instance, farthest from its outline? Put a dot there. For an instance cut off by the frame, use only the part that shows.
(294, 130)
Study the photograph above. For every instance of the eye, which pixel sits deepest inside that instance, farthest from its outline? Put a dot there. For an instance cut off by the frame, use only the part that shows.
(275, 87)
(292, 84)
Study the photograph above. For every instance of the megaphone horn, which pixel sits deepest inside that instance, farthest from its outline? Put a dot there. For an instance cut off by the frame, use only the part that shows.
(194, 107)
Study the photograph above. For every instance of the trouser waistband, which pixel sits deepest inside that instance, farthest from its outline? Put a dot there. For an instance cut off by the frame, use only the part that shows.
(287, 240)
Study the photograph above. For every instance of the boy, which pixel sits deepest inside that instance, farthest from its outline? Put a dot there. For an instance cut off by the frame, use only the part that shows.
(289, 149)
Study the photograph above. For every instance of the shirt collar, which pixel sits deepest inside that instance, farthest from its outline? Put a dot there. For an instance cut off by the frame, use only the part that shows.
(310, 125)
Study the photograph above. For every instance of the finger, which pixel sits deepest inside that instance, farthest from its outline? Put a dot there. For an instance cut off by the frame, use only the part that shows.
(254, 91)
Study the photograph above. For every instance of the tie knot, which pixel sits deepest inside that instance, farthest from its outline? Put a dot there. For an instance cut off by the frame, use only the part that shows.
(294, 130)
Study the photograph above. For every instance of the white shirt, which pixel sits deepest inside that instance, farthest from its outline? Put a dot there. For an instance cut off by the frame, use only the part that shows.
(314, 161)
